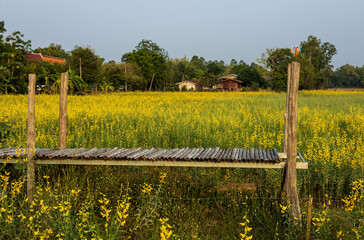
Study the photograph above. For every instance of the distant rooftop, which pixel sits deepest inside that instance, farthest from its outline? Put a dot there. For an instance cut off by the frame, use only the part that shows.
(40, 57)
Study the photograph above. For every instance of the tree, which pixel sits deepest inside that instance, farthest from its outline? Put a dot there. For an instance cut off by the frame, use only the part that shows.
(113, 74)
(12, 57)
(151, 59)
(275, 61)
(214, 70)
(90, 64)
(233, 62)
(319, 57)
(348, 76)
(251, 77)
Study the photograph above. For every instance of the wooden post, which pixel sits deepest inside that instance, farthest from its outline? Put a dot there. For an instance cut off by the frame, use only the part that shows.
(291, 176)
(285, 114)
(63, 111)
(309, 217)
(284, 170)
(80, 68)
(31, 137)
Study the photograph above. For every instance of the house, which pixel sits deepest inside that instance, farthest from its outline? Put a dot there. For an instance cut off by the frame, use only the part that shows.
(229, 83)
(40, 57)
(190, 86)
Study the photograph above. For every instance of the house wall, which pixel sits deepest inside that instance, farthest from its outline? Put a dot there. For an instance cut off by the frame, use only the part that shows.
(188, 85)
(227, 84)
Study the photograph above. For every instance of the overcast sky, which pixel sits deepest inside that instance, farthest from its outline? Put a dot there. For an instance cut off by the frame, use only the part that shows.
(215, 30)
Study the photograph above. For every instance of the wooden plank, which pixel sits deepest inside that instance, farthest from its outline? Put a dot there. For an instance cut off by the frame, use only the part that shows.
(244, 155)
(149, 153)
(43, 153)
(128, 153)
(108, 152)
(191, 153)
(275, 154)
(212, 155)
(98, 153)
(183, 154)
(138, 154)
(170, 153)
(160, 154)
(56, 153)
(200, 156)
(197, 153)
(100, 162)
(115, 153)
(269, 155)
(219, 155)
(205, 153)
(155, 152)
(176, 154)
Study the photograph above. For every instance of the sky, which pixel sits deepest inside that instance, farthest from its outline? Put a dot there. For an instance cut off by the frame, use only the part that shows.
(213, 29)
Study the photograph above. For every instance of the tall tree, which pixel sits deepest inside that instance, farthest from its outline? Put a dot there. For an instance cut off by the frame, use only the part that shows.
(348, 76)
(90, 64)
(12, 56)
(275, 61)
(152, 60)
(319, 57)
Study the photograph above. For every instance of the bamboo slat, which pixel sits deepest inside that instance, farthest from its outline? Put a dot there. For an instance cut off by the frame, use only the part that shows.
(259, 155)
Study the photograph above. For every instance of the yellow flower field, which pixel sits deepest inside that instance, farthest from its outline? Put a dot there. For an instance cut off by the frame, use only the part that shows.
(330, 137)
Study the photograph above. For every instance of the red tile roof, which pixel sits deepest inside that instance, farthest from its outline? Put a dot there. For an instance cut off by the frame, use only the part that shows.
(40, 57)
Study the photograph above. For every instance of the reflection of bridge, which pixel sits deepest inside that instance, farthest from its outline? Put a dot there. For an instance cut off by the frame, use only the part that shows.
(185, 157)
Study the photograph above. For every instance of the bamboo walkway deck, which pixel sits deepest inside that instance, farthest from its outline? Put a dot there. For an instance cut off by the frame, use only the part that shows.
(185, 157)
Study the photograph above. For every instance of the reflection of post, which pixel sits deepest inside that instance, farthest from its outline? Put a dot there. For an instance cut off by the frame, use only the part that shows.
(31, 137)
(63, 111)
(292, 193)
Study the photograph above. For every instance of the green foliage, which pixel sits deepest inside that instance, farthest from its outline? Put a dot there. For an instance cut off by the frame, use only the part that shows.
(151, 59)
(12, 57)
(348, 76)
(90, 64)
(318, 68)
(275, 62)
(148, 67)
(5, 129)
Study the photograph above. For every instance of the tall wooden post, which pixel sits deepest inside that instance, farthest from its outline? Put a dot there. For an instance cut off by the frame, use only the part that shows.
(80, 68)
(63, 111)
(126, 82)
(286, 113)
(31, 137)
(291, 176)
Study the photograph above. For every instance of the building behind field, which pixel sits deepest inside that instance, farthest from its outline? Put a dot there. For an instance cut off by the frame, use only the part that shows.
(42, 58)
(187, 85)
(229, 83)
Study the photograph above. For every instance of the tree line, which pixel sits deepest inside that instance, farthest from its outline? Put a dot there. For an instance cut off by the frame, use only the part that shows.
(148, 67)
